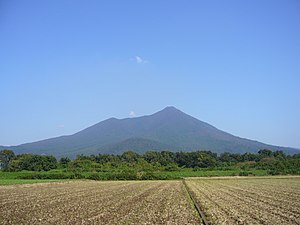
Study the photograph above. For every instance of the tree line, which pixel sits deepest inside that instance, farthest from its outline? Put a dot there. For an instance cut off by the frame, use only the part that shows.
(277, 162)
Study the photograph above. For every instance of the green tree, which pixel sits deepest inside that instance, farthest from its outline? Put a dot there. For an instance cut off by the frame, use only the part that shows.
(152, 157)
(32, 162)
(263, 153)
(130, 157)
(279, 155)
(64, 162)
(83, 165)
(206, 159)
(6, 156)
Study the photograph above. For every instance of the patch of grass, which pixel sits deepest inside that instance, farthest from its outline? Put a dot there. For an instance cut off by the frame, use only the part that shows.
(21, 181)
(126, 175)
(211, 173)
(13, 175)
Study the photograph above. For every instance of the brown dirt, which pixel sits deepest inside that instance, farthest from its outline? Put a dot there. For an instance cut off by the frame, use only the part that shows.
(92, 202)
(249, 201)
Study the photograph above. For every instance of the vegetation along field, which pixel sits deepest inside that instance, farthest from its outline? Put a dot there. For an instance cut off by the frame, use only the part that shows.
(231, 200)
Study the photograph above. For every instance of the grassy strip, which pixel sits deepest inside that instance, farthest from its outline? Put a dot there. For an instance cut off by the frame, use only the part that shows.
(22, 181)
(214, 173)
(126, 175)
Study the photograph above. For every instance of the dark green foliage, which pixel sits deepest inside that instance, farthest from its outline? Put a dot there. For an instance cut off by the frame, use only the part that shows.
(82, 165)
(63, 162)
(265, 153)
(162, 158)
(52, 176)
(244, 173)
(172, 167)
(152, 165)
(130, 157)
(32, 162)
(202, 159)
(131, 175)
(6, 156)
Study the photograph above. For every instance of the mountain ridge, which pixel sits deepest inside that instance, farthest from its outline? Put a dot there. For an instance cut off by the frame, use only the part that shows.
(168, 129)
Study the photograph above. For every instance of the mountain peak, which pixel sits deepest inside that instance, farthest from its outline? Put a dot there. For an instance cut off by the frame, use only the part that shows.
(169, 128)
(171, 113)
(170, 110)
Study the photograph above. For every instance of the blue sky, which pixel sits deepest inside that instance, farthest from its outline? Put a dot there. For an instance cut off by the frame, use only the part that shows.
(65, 65)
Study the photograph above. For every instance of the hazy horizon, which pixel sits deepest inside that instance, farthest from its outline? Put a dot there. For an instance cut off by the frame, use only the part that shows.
(66, 65)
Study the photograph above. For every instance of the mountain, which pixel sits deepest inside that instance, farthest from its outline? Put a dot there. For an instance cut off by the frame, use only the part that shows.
(168, 129)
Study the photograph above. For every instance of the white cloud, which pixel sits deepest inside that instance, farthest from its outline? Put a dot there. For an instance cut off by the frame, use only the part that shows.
(140, 60)
(132, 114)
(61, 126)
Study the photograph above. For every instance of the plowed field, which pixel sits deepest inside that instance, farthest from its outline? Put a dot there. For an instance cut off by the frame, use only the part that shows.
(221, 200)
(248, 200)
(91, 202)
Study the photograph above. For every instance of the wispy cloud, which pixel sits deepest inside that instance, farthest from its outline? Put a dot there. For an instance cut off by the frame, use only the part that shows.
(132, 114)
(140, 60)
(61, 126)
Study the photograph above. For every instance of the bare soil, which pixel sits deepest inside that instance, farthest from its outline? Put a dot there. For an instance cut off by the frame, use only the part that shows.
(249, 201)
(95, 202)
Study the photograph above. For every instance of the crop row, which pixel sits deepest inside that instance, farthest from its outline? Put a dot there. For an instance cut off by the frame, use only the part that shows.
(94, 202)
(248, 201)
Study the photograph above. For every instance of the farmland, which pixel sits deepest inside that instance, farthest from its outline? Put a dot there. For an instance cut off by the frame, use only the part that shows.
(230, 200)
(248, 200)
(92, 202)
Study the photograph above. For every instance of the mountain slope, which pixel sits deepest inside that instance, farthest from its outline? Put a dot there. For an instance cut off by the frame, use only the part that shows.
(169, 129)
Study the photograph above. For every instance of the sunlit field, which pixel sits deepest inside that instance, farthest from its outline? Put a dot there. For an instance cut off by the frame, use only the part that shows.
(233, 200)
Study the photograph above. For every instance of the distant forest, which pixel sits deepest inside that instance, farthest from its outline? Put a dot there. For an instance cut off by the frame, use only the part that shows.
(275, 162)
